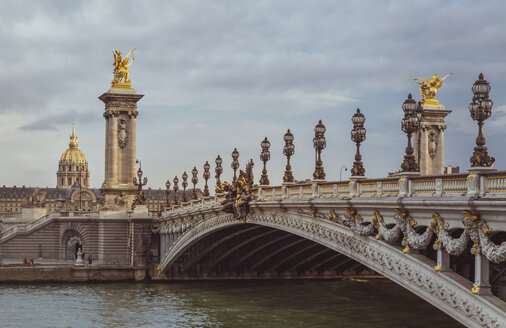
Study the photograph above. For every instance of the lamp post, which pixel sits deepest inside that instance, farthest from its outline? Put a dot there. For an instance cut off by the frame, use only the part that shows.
(288, 151)
(341, 172)
(235, 162)
(176, 188)
(140, 182)
(167, 186)
(195, 179)
(218, 170)
(319, 144)
(265, 155)
(249, 172)
(206, 176)
(185, 184)
(358, 134)
(408, 125)
(480, 110)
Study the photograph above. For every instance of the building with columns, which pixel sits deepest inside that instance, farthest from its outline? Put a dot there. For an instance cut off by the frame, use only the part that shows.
(72, 191)
(73, 166)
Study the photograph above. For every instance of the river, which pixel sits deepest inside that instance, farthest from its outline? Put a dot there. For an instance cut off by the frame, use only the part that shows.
(235, 304)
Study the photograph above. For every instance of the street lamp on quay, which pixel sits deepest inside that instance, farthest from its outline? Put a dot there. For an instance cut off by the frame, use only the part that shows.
(235, 162)
(288, 151)
(195, 180)
(409, 124)
(481, 109)
(218, 170)
(176, 188)
(358, 134)
(319, 143)
(265, 155)
(167, 186)
(185, 184)
(206, 176)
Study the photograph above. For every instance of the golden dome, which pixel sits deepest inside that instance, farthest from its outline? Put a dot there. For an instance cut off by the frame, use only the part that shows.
(73, 155)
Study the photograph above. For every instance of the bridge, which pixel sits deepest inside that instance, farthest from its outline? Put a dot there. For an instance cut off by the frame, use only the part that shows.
(440, 236)
(435, 236)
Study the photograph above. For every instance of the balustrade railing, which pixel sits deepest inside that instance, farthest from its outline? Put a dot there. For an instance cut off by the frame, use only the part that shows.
(453, 185)
(423, 186)
(496, 183)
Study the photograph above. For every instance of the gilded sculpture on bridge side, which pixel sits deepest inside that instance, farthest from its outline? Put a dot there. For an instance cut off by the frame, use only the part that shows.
(428, 88)
(121, 75)
(237, 196)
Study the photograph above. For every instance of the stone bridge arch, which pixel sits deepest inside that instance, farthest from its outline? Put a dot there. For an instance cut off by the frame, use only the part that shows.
(447, 291)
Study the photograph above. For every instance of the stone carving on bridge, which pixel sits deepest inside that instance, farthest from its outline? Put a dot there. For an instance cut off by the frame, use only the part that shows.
(433, 141)
(475, 229)
(237, 196)
(122, 133)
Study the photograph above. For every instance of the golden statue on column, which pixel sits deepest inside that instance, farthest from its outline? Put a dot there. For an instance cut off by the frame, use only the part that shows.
(121, 75)
(428, 89)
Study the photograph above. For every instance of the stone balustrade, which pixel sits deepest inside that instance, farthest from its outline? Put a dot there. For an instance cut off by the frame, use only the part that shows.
(489, 185)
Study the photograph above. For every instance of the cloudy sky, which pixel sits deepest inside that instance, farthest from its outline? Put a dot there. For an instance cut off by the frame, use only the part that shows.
(223, 74)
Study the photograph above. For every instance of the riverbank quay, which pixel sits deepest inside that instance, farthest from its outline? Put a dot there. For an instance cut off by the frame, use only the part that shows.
(58, 273)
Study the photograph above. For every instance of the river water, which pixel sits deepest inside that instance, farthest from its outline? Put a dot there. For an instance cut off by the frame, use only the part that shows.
(374, 303)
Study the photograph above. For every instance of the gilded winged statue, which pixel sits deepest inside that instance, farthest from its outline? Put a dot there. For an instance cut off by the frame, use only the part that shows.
(121, 65)
(428, 88)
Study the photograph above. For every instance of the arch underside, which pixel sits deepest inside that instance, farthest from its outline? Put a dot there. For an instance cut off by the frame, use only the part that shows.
(252, 250)
(289, 245)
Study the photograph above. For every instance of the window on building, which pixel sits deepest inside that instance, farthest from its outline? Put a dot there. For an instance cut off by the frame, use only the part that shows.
(70, 181)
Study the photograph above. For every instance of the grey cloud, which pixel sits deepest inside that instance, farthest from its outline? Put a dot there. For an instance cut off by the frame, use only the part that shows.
(53, 121)
(222, 74)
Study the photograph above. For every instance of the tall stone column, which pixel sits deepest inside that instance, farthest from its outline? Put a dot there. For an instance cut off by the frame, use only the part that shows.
(429, 139)
(120, 147)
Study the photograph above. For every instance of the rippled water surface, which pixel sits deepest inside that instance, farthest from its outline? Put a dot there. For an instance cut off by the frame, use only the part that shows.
(217, 304)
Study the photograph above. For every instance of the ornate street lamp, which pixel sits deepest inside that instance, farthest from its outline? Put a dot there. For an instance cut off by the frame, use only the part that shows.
(265, 155)
(288, 151)
(195, 179)
(176, 188)
(218, 170)
(358, 136)
(481, 109)
(206, 176)
(319, 144)
(235, 162)
(249, 172)
(408, 125)
(167, 185)
(185, 184)
(140, 199)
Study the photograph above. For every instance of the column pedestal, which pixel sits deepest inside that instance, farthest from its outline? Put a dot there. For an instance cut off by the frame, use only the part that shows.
(428, 141)
(120, 114)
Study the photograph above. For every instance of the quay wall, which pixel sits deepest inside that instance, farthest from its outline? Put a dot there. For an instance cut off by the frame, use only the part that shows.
(71, 274)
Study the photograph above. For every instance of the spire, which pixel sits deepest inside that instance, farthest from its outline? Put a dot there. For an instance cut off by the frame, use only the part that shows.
(73, 137)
